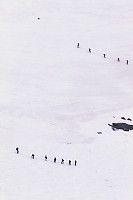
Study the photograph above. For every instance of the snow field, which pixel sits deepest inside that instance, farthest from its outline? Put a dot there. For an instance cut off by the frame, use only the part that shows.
(55, 98)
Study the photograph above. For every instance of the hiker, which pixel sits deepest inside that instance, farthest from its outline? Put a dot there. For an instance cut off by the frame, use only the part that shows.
(78, 45)
(55, 159)
(104, 55)
(89, 50)
(46, 157)
(75, 162)
(62, 161)
(33, 156)
(69, 162)
(17, 149)
(127, 62)
(118, 59)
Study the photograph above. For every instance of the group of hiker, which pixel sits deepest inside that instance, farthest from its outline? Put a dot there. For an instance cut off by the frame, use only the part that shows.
(104, 55)
(46, 158)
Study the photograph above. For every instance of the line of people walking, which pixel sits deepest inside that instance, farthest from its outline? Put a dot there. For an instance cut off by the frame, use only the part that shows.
(104, 55)
(46, 158)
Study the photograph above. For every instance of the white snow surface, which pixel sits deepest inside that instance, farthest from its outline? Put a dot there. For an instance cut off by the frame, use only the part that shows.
(55, 98)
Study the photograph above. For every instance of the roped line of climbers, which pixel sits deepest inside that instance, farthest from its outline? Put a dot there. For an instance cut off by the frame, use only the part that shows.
(46, 158)
(104, 55)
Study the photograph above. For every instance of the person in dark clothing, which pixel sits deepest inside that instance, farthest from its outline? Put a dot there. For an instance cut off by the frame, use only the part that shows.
(33, 156)
(69, 162)
(17, 149)
(75, 162)
(104, 55)
(127, 62)
(62, 161)
(78, 45)
(55, 159)
(89, 50)
(118, 59)
(46, 158)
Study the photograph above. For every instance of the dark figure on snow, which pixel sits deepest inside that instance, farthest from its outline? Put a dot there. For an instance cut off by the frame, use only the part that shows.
(33, 156)
(38, 18)
(46, 158)
(75, 162)
(127, 62)
(69, 162)
(89, 50)
(118, 59)
(78, 45)
(104, 55)
(55, 159)
(62, 161)
(17, 149)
